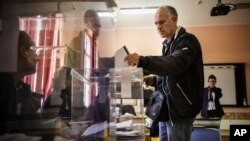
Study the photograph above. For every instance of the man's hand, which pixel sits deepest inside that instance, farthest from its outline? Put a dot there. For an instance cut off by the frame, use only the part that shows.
(132, 59)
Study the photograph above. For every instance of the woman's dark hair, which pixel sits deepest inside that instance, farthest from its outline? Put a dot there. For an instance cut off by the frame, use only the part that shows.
(211, 77)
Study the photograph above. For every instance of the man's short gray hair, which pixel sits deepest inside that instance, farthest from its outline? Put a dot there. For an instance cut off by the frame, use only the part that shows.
(171, 9)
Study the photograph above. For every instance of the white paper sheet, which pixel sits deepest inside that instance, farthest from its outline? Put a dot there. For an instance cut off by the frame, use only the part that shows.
(95, 128)
(125, 124)
(119, 58)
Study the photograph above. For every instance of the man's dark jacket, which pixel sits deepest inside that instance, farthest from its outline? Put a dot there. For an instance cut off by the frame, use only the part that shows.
(179, 74)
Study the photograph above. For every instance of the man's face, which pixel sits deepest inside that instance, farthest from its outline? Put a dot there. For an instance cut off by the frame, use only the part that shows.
(165, 23)
(29, 60)
(95, 25)
(33, 59)
(93, 22)
(211, 82)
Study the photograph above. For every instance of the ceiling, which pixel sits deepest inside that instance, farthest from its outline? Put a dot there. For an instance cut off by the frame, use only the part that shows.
(191, 12)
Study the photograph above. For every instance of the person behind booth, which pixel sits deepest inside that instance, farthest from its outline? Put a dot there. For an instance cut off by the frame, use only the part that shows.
(97, 111)
(211, 102)
(92, 29)
(179, 75)
(19, 105)
(99, 108)
(17, 101)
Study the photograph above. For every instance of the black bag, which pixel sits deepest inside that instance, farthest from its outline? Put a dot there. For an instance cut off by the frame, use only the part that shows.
(157, 108)
(154, 129)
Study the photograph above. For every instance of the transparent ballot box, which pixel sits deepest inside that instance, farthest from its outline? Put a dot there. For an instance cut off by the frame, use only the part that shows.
(107, 104)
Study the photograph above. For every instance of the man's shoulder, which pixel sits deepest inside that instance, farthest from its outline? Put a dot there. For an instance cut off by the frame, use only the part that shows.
(183, 33)
(217, 88)
(187, 35)
(189, 38)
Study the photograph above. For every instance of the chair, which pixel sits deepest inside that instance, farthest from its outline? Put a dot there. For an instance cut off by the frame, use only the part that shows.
(206, 129)
(205, 134)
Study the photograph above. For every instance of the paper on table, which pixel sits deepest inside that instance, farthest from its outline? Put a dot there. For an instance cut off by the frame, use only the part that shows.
(125, 124)
(95, 128)
(129, 133)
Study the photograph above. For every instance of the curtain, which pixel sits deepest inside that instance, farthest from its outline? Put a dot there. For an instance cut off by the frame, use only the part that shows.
(47, 34)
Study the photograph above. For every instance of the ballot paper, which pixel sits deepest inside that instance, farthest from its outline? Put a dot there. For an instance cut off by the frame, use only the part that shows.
(120, 54)
(125, 73)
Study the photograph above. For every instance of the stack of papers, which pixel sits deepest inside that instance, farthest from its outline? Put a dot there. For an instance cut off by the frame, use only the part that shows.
(124, 130)
(124, 124)
(129, 133)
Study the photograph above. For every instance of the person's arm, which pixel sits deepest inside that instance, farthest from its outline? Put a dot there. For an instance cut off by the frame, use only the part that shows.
(182, 57)
(218, 93)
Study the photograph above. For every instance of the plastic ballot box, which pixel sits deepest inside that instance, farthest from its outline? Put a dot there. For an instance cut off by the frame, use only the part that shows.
(107, 104)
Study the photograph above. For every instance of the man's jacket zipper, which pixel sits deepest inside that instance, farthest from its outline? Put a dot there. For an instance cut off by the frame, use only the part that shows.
(184, 94)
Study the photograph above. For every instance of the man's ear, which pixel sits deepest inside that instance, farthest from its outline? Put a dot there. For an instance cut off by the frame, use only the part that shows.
(174, 18)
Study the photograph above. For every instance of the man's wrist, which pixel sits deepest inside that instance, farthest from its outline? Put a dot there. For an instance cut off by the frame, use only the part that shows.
(143, 61)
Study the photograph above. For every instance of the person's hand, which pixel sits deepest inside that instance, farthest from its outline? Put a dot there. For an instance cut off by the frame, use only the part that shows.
(149, 80)
(132, 59)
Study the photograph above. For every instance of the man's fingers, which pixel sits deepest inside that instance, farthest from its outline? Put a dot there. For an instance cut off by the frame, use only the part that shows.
(132, 59)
